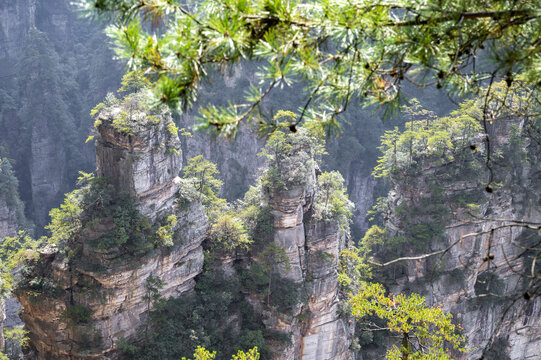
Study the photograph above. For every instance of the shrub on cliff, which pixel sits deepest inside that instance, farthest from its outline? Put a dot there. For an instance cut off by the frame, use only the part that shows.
(429, 138)
(202, 174)
(203, 354)
(332, 202)
(228, 233)
(215, 316)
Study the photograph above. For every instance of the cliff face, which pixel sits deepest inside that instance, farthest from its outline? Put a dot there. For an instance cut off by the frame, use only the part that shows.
(49, 59)
(312, 247)
(16, 19)
(483, 278)
(78, 304)
(8, 220)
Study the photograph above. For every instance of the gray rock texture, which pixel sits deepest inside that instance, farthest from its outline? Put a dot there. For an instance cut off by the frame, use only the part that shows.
(108, 286)
(484, 275)
(312, 247)
(9, 224)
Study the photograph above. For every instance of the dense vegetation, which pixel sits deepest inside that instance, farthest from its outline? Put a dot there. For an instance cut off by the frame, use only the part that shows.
(274, 31)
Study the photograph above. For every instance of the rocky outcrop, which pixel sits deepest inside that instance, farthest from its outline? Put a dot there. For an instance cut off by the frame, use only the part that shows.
(146, 165)
(483, 278)
(236, 159)
(78, 304)
(312, 246)
(327, 334)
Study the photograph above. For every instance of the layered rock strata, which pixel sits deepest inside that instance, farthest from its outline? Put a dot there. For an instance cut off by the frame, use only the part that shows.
(312, 247)
(90, 298)
(483, 279)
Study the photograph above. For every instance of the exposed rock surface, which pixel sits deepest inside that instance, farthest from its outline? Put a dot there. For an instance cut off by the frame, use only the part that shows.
(16, 19)
(8, 220)
(236, 159)
(146, 166)
(312, 247)
(482, 280)
(93, 302)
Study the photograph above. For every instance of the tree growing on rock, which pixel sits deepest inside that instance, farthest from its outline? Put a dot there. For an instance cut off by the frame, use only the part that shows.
(427, 333)
(203, 172)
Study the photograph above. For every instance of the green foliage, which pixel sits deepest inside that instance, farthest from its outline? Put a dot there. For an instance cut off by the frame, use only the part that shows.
(14, 250)
(215, 316)
(421, 225)
(152, 296)
(273, 258)
(66, 220)
(134, 111)
(353, 268)
(207, 185)
(130, 230)
(9, 192)
(332, 202)
(321, 43)
(165, 232)
(429, 138)
(284, 295)
(256, 215)
(228, 233)
(77, 314)
(96, 206)
(426, 332)
(133, 81)
(290, 158)
(16, 339)
(203, 354)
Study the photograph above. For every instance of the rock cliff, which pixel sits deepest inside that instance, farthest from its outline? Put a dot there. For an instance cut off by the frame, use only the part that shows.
(483, 277)
(81, 298)
(312, 246)
(317, 330)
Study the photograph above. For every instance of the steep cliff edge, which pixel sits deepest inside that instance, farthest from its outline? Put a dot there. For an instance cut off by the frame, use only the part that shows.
(441, 201)
(86, 293)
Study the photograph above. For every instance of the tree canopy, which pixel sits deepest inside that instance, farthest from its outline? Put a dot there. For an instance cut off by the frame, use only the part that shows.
(426, 332)
(340, 50)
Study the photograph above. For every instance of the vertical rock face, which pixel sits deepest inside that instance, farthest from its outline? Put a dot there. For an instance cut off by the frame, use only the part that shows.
(47, 169)
(483, 279)
(146, 166)
(84, 304)
(236, 159)
(361, 191)
(312, 247)
(16, 18)
(8, 220)
(327, 335)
